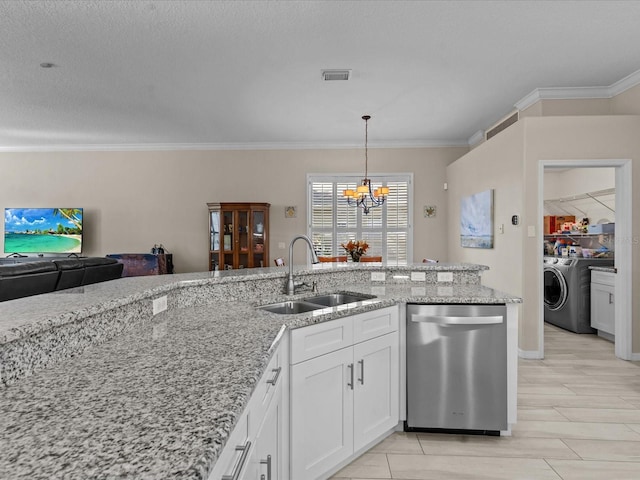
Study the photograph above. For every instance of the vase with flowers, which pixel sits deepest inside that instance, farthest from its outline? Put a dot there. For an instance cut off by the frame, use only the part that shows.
(356, 249)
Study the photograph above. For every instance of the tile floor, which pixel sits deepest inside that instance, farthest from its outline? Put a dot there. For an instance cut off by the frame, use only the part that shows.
(578, 419)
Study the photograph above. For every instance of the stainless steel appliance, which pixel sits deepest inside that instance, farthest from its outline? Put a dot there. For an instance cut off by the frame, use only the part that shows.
(567, 291)
(457, 368)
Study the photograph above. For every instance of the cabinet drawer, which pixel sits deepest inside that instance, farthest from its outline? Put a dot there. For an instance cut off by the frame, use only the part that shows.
(235, 454)
(374, 324)
(314, 340)
(261, 397)
(603, 278)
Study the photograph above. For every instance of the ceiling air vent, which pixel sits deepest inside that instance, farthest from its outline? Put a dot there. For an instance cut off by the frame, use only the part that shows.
(328, 75)
(507, 122)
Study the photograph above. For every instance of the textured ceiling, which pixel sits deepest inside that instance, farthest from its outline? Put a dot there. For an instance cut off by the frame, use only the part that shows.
(242, 74)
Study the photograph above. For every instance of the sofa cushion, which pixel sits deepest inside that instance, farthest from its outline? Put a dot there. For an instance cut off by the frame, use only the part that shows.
(27, 268)
(69, 263)
(97, 261)
(25, 279)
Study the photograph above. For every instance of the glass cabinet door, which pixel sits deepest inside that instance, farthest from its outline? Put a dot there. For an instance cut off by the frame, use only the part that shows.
(258, 237)
(226, 258)
(243, 239)
(214, 246)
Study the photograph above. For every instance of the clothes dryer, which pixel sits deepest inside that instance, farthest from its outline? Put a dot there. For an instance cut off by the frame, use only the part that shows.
(567, 291)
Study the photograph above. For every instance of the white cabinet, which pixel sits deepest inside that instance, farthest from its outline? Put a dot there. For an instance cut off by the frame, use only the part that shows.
(344, 389)
(603, 301)
(269, 444)
(258, 444)
(376, 400)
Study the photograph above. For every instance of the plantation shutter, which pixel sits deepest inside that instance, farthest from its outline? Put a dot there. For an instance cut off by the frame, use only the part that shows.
(332, 221)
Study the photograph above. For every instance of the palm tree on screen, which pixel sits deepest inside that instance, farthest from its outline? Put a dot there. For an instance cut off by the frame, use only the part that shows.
(71, 214)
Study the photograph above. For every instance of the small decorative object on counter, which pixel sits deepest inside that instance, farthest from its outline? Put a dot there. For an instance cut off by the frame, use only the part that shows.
(160, 250)
(154, 250)
(356, 249)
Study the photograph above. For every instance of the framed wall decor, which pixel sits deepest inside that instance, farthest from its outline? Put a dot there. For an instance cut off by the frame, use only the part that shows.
(476, 220)
(429, 211)
(290, 212)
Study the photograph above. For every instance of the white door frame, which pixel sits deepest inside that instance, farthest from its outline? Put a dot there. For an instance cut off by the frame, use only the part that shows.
(623, 244)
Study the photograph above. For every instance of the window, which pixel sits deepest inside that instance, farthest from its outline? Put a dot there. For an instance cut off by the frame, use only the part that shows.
(333, 221)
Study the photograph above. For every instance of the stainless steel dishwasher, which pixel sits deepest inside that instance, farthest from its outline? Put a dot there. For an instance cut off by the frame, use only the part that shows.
(457, 368)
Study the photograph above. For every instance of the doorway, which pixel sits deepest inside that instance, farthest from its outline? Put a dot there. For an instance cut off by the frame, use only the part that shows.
(623, 252)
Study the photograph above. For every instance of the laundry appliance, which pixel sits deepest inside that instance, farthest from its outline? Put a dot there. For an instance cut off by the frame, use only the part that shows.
(567, 291)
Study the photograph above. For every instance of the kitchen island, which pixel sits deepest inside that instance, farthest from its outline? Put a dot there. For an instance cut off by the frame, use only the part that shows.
(96, 386)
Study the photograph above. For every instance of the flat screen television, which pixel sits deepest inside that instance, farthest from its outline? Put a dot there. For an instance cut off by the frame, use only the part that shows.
(42, 230)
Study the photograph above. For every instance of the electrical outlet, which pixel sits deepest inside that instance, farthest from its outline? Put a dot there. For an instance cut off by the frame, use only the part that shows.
(159, 304)
(445, 276)
(418, 276)
(377, 276)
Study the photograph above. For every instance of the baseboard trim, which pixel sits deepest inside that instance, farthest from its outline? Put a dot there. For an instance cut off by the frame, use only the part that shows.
(635, 357)
(530, 354)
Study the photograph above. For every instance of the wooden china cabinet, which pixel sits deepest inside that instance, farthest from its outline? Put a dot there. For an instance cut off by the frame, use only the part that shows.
(238, 235)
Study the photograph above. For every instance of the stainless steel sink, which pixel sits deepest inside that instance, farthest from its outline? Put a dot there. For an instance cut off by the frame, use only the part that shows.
(316, 302)
(335, 299)
(291, 308)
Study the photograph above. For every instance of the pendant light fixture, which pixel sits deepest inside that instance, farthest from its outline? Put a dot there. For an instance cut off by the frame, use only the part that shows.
(363, 196)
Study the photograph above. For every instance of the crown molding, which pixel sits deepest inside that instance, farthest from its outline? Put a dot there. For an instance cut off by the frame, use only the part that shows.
(566, 93)
(476, 138)
(625, 84)
(154, 147)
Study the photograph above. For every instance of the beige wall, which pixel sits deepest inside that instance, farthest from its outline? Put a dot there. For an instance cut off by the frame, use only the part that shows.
(627, 103)
(135, 199)
(509, 163)
(496, 164)
(577, 138)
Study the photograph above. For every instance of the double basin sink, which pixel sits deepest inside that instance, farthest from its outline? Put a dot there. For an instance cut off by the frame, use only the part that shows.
(316, 302)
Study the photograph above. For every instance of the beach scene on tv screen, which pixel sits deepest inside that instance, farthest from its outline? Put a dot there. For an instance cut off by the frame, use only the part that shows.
(42, 230)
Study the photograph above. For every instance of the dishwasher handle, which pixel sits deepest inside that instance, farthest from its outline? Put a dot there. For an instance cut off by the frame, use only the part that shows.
(457, 320)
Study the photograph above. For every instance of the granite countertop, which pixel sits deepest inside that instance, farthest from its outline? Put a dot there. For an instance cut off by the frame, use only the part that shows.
(603, 269)
(26, 316)
(160, 400)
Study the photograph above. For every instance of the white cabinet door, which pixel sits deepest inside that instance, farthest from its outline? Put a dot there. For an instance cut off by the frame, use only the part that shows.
(376, 399)
(603, 307)
(321, 413)
(268, 446)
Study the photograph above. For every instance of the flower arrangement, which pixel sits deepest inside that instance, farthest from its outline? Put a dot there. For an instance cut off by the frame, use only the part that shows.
(356, 249)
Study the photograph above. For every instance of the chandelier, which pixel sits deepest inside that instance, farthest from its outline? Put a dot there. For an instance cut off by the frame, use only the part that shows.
(363, 196)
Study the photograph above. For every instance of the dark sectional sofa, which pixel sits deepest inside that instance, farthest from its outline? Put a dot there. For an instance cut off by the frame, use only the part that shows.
(33, 278)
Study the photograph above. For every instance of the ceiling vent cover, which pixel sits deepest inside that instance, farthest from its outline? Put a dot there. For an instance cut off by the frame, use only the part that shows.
(507, 122)
(329, 75)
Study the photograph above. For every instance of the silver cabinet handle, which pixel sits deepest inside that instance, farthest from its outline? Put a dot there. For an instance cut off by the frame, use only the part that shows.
(350, 367)
(447, 320)
(243, 458)
(361, 379)
(275, 377)
(611, 298)
(267, 462)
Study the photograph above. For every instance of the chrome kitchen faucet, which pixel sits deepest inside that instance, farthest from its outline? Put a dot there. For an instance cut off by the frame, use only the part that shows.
(291, 285)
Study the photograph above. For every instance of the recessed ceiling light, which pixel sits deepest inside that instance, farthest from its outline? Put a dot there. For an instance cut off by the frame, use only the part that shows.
(328, 75)
(47, 65)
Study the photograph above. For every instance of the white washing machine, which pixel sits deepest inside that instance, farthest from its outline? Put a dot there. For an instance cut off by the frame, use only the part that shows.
(567, 291)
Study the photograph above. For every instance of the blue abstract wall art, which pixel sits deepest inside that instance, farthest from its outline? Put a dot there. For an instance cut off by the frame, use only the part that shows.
(476, 220)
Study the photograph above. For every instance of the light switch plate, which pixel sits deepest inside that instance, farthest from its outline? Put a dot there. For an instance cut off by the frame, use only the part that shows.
(377, 276)
(418, 276)
(445, 276)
